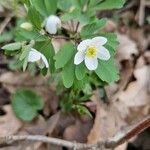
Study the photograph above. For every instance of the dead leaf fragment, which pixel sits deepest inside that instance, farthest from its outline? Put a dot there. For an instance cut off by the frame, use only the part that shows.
(9, 124)
(126, 49)
(107, 122)
(136, 93)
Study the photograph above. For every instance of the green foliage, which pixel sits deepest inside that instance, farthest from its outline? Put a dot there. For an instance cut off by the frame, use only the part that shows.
(12, 46)
(82, 110)
(74, 83)
(45, 7)
(26, 103)
(64, 55)
(107, 71)
(34, 17)
(68, 74)
(109, 4)
(80, 71)
(92, 28)
(46, 48)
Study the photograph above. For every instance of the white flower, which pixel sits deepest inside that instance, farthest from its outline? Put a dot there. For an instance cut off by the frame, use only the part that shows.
(52, 24)
(39, 58)
(90, 50)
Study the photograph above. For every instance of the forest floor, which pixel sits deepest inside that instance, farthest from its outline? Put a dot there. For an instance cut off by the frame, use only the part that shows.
(127, 101)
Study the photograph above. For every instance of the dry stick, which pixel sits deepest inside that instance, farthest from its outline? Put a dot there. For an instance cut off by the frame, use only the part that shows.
(121, 137)
(39, 138)
(125, 134)
(5, 22)
(141, 12)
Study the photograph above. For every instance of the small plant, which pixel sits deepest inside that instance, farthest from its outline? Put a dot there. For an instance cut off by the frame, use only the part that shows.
(84, 62)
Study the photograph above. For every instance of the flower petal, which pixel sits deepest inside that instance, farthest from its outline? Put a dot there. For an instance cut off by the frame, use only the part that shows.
(44, 61)
(34, 55)
(91, 63)
(99, 41)
(79, 57)
(83, 45)
(103, 53)
(52, 24)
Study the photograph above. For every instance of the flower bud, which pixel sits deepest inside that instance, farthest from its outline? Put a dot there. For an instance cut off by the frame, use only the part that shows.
(27, 26)
(53, 23)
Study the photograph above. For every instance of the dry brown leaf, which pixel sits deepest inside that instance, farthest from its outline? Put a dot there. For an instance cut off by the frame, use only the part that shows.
(126, 48)
(136, 93)
(9, 124)
(107, 122)
(110, 26)
(20, 78)
(37, 126)
(139, 37)
(78, 131)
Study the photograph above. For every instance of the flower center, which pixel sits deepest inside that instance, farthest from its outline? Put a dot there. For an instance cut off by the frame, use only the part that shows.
(91, 51)
(40, 63)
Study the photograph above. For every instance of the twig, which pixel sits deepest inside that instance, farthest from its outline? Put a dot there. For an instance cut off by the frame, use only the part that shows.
(126, 134)
(60, 37)
(39, 138)
(77, 26)
(121, 137)
(141, 12)
(5, 22)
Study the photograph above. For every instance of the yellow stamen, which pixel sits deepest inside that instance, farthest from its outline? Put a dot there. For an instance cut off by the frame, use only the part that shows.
(91, 51)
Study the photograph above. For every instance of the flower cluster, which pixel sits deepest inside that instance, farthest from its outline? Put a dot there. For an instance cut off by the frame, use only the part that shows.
(89, 50)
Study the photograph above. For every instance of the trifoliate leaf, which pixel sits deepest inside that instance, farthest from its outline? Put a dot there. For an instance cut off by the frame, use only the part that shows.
(26, 103)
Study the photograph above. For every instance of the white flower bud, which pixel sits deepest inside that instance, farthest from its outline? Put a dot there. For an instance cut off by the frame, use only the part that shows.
(27, 26)
(53, 23)
(39, 58)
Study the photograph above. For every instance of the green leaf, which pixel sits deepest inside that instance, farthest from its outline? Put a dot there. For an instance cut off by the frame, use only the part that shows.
(80, 71)
(26, 103)
(82, 110)
(80, 84)
(90, 29)
(22, 35)
(109, 4)
(65, 5)
(40, 7)
(34, 17)
(94, 2)
(112, 42)
(24, 56)
(12, 46)
(25, 52)
(64, 55)
(71, 15)
(51, 6)
(107, 71)
(68, 74)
